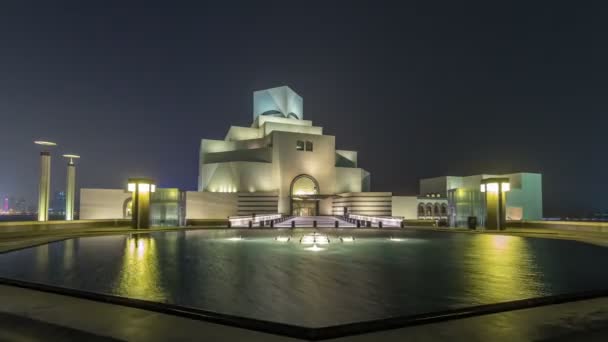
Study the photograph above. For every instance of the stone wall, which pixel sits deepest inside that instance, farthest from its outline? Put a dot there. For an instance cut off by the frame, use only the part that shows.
(34, 226)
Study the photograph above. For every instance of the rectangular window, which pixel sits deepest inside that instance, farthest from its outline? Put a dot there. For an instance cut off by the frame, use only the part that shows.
(300, 145)
(309, 146)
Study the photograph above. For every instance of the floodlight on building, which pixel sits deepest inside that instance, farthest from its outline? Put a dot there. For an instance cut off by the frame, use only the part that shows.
(44, 188)
(70, 190)
(141, 189)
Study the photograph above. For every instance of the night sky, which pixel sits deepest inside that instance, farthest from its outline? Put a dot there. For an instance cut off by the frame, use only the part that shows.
(419, 89)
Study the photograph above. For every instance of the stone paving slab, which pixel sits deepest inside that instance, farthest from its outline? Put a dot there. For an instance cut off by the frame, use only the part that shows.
(62, 317)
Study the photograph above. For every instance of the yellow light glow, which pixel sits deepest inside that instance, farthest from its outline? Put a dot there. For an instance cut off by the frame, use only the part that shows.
(131, 187)
(315, 248)
(140, 274)
(508, 264)
(314, 239)
(142, 187)
(506, 187)
(492, 187)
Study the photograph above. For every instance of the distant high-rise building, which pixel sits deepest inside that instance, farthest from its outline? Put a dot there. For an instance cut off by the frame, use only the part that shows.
(5, 207)
(31, 209)
(20, 206)
(58, 203)
(11, 204)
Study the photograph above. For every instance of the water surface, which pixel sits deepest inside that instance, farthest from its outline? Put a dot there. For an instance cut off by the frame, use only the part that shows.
(287, 282)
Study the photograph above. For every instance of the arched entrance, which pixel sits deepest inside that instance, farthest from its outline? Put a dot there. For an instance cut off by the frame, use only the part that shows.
(303, 191)
(127, 208)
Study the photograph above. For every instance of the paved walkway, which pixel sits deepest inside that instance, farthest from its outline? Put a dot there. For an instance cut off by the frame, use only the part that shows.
(28, 315)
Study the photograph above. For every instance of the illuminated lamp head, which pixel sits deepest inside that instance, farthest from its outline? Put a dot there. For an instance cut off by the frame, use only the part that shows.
(141, 185)
(45, 145)
(71, 157)
(495, 185)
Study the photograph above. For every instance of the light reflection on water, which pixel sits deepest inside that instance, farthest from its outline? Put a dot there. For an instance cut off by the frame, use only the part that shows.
(369, 278)
(140, 274)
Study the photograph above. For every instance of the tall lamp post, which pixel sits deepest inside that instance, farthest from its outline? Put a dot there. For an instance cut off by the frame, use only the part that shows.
(141, 188)
(495, 190)
(70, 187)
(44, 188)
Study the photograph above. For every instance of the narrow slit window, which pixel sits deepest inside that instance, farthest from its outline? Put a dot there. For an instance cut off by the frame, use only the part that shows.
(300, 145)
(309, 146)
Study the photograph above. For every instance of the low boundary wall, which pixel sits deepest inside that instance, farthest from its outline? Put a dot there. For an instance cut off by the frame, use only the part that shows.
(597, 227)
(49, 226)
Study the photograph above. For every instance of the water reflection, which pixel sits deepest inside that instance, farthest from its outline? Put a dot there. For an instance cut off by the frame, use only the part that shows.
(503, 268)
(260, 278)
(42, 259)
(140, 274)
(68, 250)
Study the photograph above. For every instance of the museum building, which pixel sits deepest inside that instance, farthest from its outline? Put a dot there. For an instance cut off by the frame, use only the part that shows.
(284, 164)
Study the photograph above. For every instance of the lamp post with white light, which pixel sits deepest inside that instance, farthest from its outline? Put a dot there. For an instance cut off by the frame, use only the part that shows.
(141, 189)
(44, 187)
(495, 190)
(70, 190)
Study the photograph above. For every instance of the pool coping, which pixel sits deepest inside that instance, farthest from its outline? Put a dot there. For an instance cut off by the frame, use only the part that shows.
(26, 241)
(309, 333)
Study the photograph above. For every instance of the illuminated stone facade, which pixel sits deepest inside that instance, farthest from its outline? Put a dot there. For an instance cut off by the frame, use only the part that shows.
(279, 148)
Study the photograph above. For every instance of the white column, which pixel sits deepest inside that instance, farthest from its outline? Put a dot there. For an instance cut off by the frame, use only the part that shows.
(45, 186)
(70, 191)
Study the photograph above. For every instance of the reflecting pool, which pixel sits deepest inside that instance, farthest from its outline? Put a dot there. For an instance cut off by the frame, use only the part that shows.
(376, 275)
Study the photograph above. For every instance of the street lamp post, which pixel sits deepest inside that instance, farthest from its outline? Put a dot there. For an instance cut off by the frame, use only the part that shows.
(44, 187)
(70, 190)
(495, 190)
(141, 188)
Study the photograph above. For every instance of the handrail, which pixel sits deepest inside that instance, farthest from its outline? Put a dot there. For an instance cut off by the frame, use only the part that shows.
(253, 218)
(375, 219)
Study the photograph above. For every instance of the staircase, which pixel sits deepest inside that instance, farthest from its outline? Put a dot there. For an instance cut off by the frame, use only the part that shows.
(308, 222)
